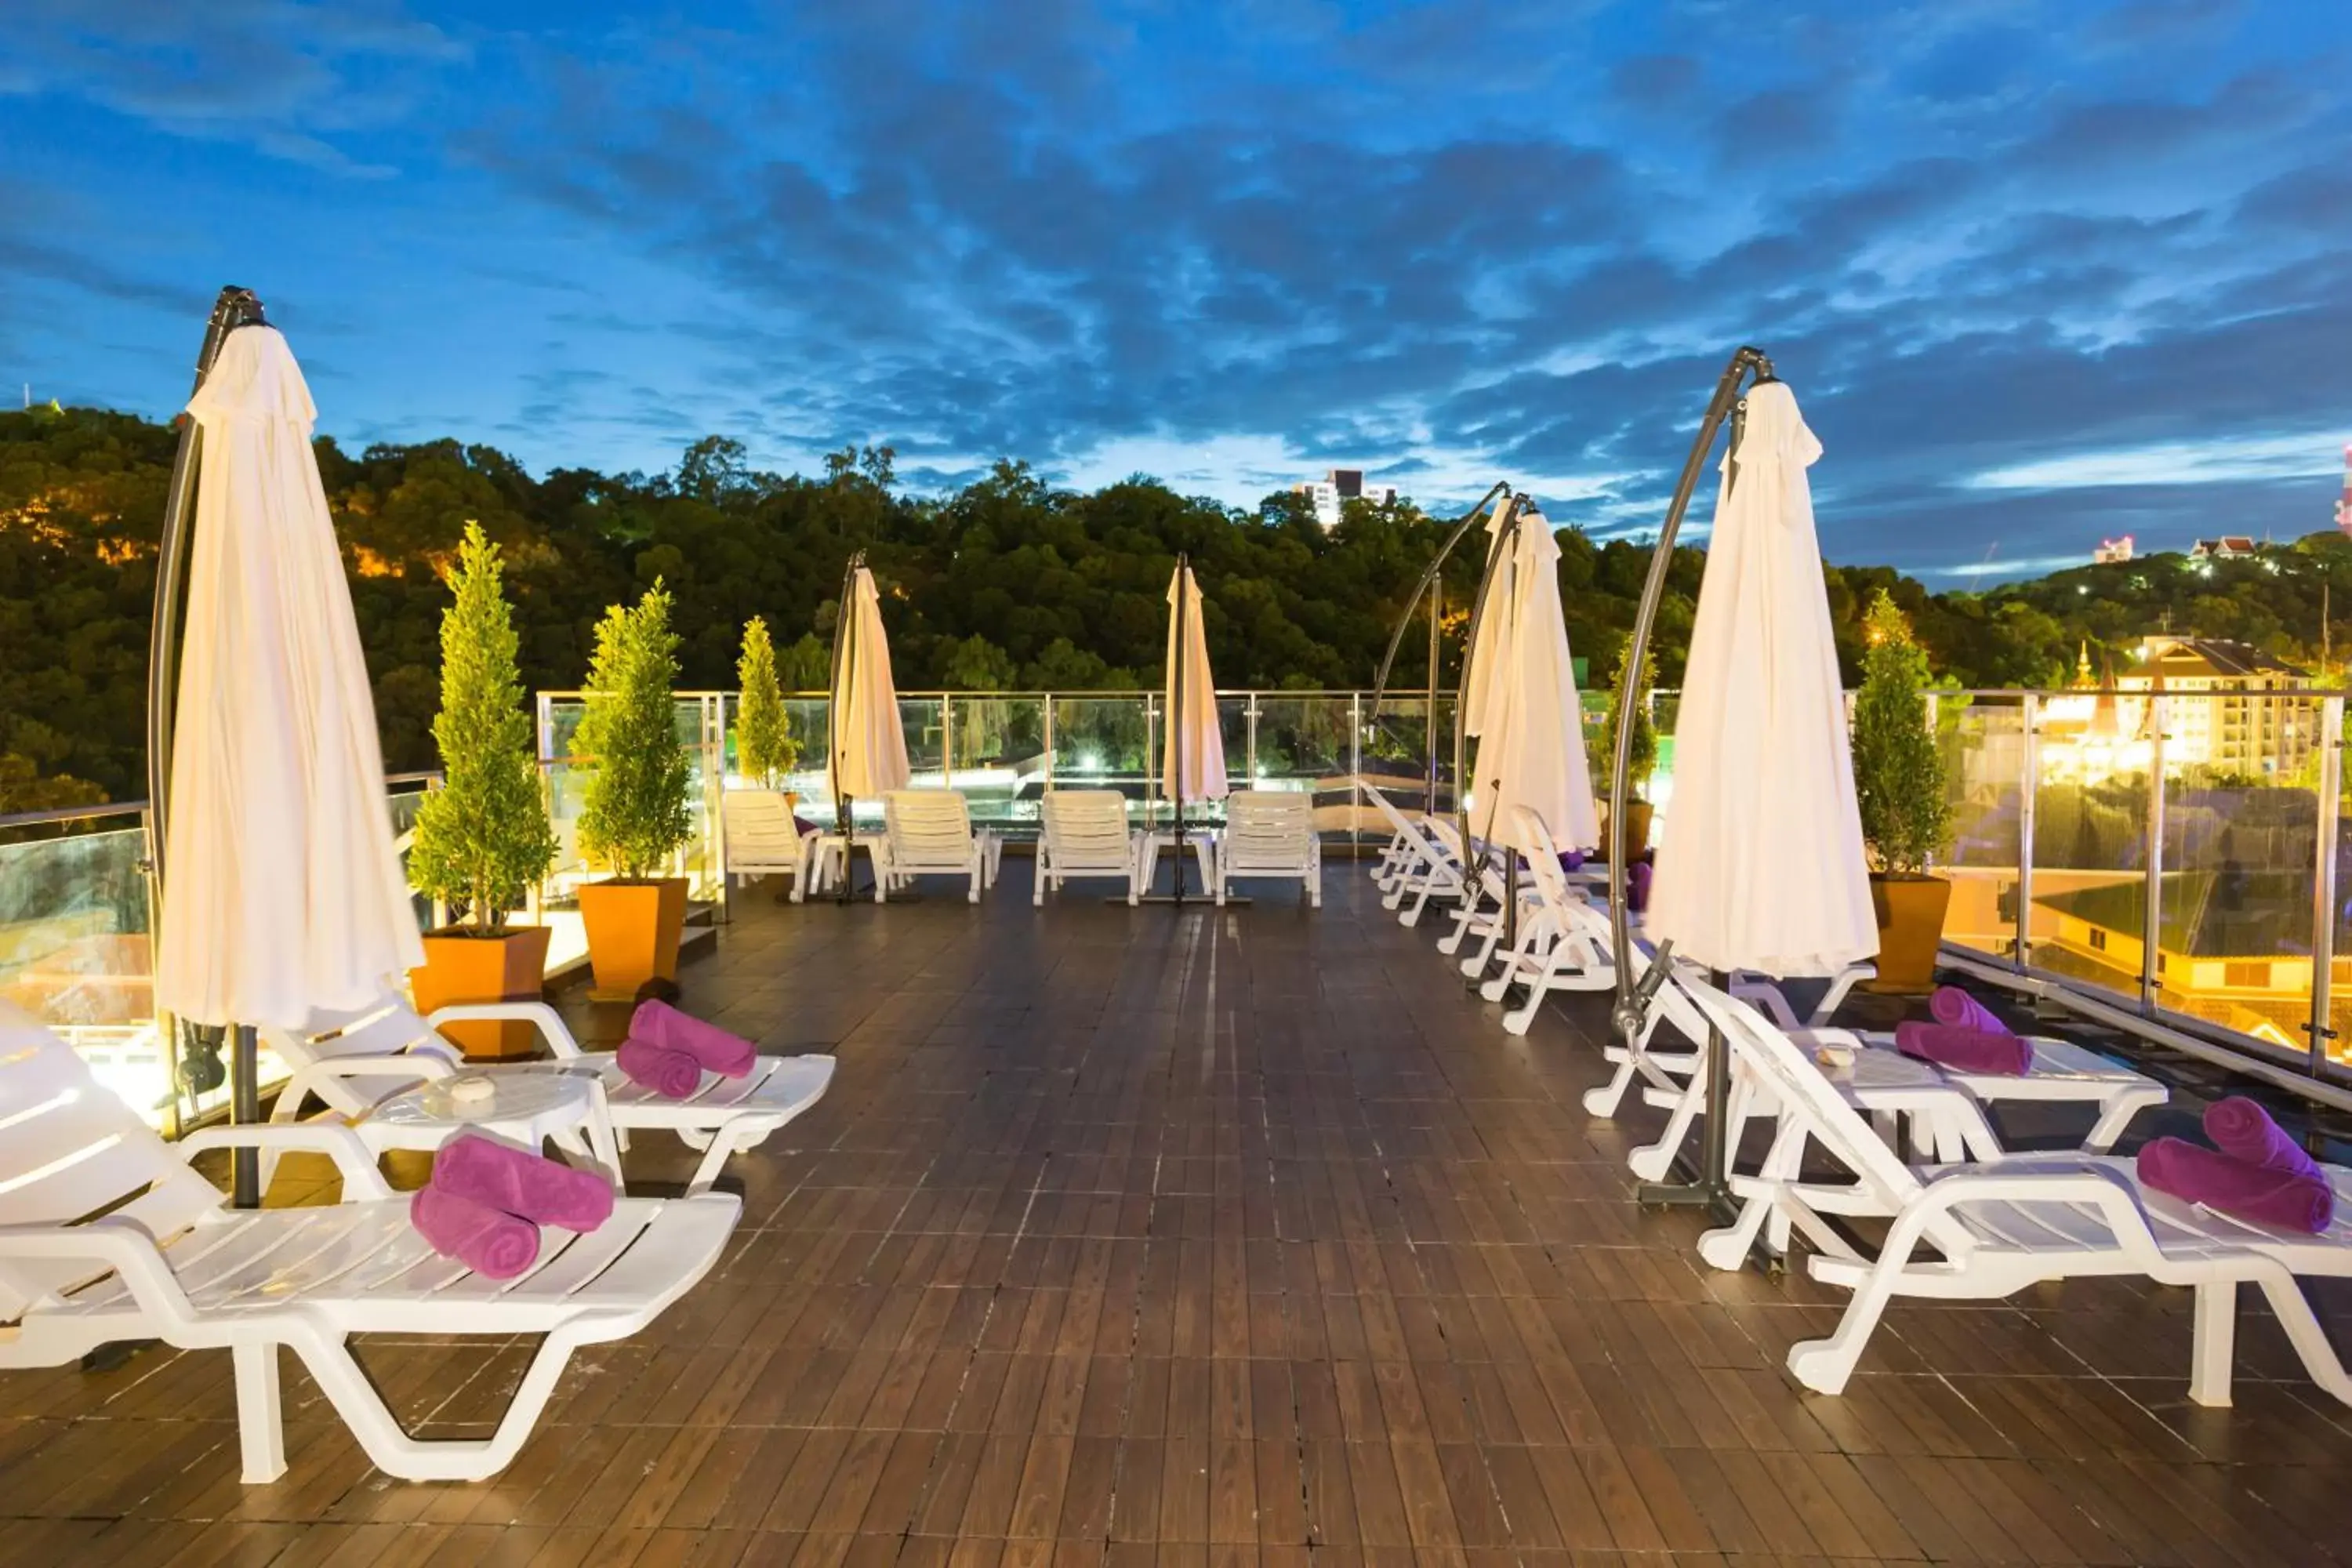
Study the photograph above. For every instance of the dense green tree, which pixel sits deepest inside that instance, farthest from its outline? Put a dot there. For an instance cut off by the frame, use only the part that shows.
(1006, 581)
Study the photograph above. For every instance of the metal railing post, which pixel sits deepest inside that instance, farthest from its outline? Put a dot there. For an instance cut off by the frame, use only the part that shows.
(2028, 788)
(1150, 756)
(946, 739)
(1249, 744)
(1355, 768)
(2152, 921)
(2322, 1028)
(1048, 699)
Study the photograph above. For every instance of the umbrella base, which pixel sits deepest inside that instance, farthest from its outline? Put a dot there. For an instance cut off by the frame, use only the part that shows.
(1197, 900)
(1712, 1196)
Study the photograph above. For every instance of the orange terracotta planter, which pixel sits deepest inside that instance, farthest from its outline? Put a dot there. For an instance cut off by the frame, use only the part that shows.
(633, 933)
(460, 967)
(1910, 912)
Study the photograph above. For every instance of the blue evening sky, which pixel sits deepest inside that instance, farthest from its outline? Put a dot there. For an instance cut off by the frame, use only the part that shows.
(2040, 271)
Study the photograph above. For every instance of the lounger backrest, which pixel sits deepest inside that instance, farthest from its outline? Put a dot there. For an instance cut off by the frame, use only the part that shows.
(760, 833)
(926, 826)
(1414, 830)
(1269, 826)
(70, 1149)
(1789, 1077)
(1085, 826)
(382, 1028)
(1552, 882)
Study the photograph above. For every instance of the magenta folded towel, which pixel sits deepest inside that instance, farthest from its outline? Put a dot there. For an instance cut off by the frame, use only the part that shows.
(803, 827)
(489, 1241)
(729, 1056)
(1964, 1050)
(1571, 859)
(1950, 1004)
(1637, 886)
(2286, 1200)
(528, 1185)
(2244, 1130)
(671, 1074)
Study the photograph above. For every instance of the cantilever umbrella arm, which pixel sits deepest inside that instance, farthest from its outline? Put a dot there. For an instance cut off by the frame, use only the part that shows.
(234, 307)
(1501, 494)
(1712, 1189)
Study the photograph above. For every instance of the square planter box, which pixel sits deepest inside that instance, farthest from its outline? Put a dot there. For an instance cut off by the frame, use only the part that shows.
(509, 967)
(633, 933)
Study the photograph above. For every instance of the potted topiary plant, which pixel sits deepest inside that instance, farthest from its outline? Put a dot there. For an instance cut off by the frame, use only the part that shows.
(1898, 783)
(633, 817)
(482, 838)
(765, 748)
(1642, 761)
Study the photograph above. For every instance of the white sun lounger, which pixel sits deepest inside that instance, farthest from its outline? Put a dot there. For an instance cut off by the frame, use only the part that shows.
(353, 1060)
(1084, 833)
(763, 841)
(1270, 834)
(1986, 1231)
(929, 832)
(169, 1261)
(1415, 867)
(1555, 950)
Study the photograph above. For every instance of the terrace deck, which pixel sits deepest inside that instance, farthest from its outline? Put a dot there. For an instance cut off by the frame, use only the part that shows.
(1147, 1239)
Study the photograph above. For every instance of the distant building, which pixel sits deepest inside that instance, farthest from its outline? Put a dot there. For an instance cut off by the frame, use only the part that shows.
(2243, 732)
(2228, 547)
(1332, 494)
(2112, 550)
(2344, 507)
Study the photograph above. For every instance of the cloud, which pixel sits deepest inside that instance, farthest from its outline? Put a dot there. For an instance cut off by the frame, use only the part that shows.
(2225, 460)
(1234, 244)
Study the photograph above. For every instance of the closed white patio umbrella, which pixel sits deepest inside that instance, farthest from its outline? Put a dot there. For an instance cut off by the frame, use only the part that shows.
(869, 745)
(1192, 754)
(283, 891)
(1193, 751)
(1532, 747)
(1762, 866)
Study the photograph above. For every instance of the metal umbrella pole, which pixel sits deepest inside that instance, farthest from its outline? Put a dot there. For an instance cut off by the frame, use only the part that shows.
(1432, 583)
(1712, 1190)
(235, 307)
(844, 637)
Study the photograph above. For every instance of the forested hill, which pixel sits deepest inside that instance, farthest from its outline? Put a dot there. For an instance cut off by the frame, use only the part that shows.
(1006, 584)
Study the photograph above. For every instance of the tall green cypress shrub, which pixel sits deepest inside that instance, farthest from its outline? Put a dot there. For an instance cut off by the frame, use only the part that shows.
(634, 814)
(764, 739)
(482, 840)
(1898, 773)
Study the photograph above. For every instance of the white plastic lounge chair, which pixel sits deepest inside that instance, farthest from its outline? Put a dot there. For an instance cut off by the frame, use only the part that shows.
(929, 832)
(1414, 869)
(172, 1263)
(762, 840)
(1270, 834)
(1995, 1228)
(1556, 951)
(1765, 992)
(350, 1061)
(1084, 833)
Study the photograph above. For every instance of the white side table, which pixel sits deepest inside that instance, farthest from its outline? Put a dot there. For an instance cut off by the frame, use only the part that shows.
(525, 1108)
(1203, 841)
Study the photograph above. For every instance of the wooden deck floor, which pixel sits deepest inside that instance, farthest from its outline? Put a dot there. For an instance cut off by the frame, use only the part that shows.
(1133, 1239)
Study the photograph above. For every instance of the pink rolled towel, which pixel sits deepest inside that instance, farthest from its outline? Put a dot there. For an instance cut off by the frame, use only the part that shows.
(1950, 1004)
(1964, 1049)
(729, 1056)
(491, 1242)
(522, 1184)
(2244, 1130)
(2286, 1200)
(671, 1074)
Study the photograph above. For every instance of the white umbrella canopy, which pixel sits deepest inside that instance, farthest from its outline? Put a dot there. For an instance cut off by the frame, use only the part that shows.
(1490, 654)
(1531, 753)
(869, 745)
(1192, 757)
(1762, 866)
(283, 891)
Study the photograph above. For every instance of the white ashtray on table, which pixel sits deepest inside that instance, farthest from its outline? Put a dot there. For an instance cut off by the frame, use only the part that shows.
(527, 1109)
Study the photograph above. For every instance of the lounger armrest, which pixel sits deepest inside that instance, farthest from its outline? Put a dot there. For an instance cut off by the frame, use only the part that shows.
(2112, 1197)
(362, 1180)
(119, 1244)
(539, 1015)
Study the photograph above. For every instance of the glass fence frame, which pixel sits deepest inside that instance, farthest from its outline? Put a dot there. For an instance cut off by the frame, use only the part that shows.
(1279, 739)
(2156, 721)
